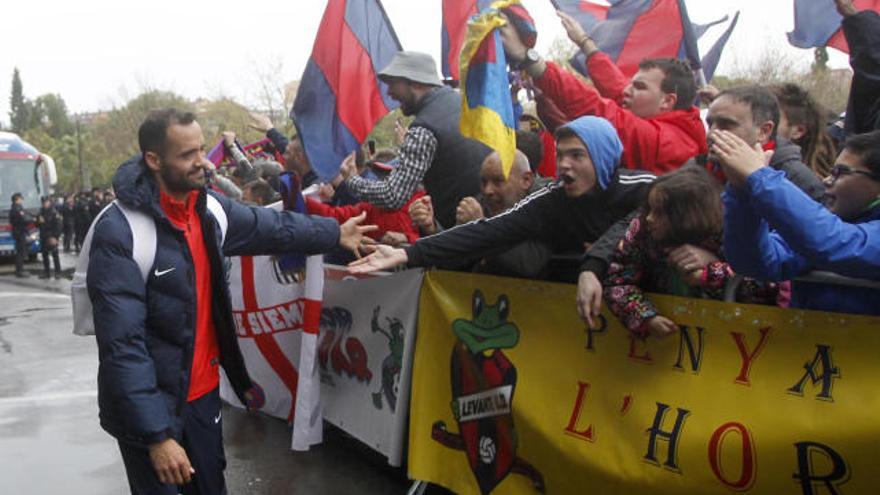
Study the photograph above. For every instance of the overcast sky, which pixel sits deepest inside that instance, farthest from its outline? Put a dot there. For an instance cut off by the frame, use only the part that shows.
(98, 53)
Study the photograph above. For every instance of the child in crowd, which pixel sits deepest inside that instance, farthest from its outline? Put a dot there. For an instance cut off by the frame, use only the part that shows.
(674, 247)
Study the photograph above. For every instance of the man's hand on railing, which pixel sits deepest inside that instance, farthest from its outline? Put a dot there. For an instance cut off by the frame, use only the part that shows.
(589, 297)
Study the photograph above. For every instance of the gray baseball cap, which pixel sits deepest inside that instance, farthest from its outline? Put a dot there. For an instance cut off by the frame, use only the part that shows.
(414, 66)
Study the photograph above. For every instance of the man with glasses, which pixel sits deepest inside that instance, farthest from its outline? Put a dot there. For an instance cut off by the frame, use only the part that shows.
(773, 231)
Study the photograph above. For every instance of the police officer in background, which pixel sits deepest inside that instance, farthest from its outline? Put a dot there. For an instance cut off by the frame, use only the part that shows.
(19, 219)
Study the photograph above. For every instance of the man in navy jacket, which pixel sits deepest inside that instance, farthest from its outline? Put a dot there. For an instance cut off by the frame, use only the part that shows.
(161, 343)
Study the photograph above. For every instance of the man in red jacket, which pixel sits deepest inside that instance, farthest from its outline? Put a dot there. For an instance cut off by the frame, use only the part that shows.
(653, 113)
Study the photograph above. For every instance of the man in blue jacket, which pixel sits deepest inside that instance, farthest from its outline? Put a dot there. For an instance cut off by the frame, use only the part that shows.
(161, 342)
(774, 231)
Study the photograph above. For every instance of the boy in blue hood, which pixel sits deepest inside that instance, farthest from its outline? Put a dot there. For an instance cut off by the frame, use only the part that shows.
(773, 231)
(592, 197)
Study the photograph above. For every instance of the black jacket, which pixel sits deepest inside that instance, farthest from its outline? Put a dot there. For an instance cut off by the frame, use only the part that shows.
(563, 223)
(19, 218)
(50, 223)
(455, 171)
(862, 33)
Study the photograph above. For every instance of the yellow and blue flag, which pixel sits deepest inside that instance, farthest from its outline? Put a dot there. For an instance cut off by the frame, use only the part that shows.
(486, 104)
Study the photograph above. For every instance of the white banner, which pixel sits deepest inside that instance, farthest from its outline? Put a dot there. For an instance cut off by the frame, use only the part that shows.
(365, 355)
(276, 316)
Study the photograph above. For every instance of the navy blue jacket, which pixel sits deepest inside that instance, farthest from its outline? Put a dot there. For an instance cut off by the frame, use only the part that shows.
(805, 236)
(145, 334)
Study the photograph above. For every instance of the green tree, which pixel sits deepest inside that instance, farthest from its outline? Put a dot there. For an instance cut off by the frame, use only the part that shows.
(18, 106)
(222, 115)
(50, 111)
(114, 133)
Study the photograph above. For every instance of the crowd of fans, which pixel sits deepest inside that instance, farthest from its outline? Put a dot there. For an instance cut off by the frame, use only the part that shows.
(619, 185)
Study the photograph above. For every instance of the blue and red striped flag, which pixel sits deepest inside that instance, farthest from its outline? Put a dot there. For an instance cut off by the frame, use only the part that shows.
(630, 31)
(486, 104)
(817, 23)
(340, 98)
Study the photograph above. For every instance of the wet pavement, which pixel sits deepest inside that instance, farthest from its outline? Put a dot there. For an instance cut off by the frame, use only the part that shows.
(50, 440)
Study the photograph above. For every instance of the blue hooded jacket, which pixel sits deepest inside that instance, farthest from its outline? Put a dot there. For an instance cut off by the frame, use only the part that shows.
(603, 143)
(145, 332)
(774, 231)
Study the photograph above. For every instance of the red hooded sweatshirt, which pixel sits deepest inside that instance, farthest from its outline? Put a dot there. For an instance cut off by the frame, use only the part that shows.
(659, 144)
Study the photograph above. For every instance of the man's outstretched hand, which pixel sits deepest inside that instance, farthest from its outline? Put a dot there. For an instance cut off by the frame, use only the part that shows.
(351, 234)
(383, 258)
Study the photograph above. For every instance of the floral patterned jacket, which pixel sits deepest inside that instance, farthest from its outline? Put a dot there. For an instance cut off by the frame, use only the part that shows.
(639, 265)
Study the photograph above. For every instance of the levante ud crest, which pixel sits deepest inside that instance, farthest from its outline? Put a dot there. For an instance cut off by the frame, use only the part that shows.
(483, 385)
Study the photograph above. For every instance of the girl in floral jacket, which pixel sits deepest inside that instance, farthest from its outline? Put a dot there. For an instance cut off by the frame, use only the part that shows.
(674, 247)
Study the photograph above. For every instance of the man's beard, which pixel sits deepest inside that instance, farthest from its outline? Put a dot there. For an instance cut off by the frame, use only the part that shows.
(183, 182)
(408, 109)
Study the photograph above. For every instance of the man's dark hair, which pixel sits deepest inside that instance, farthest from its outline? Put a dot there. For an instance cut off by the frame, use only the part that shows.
(867, 147)
(678, 79)
(261, 191)
(760, 100)
(531, 145)
(154, 129)
(15, 196)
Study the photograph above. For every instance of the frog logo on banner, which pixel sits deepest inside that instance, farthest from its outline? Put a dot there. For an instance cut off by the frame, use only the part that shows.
(483, 383)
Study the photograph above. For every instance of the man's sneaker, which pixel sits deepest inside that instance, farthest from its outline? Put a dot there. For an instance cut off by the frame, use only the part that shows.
(44, 276)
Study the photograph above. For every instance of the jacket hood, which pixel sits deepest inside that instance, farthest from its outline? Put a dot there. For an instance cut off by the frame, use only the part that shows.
(602, 142)
(135, 186)
(785, 151)
(690, 122)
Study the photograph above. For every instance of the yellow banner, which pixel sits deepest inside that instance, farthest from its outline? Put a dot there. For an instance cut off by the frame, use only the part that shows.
(511, 393)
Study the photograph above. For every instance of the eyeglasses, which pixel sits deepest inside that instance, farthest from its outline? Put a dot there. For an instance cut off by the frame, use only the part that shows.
(838, 170)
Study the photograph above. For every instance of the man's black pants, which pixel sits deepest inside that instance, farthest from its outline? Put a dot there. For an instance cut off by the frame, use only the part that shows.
(21, 252)
(203, 442)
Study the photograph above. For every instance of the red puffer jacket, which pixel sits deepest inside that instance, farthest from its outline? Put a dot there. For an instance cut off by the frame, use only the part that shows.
(659, 144)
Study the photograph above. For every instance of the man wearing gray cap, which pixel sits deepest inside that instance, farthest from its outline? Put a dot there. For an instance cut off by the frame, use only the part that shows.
(433, 149)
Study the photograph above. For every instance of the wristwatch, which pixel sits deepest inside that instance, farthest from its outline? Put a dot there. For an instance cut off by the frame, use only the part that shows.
(532, 57)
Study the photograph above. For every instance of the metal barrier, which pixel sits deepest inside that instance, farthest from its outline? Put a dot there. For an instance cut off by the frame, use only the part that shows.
(817, 277)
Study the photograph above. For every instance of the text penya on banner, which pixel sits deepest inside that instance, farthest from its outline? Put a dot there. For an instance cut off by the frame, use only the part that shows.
(513, 394)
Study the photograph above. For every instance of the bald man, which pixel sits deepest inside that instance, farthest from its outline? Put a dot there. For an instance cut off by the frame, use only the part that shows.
(497, 195)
